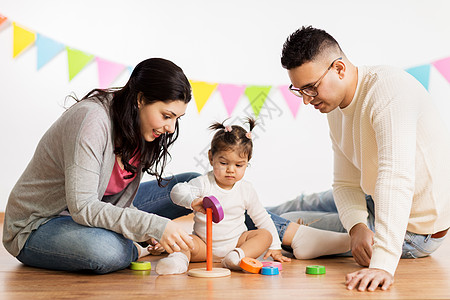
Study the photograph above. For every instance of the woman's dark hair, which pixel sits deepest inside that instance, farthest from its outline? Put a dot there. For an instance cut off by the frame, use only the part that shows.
(304, 45)
(158, 80)
(232, 137)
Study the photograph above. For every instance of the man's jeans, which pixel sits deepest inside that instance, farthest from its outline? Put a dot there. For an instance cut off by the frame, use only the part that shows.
(319, 210)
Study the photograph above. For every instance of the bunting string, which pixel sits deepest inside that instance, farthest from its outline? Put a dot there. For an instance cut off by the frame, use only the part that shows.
(109, 71)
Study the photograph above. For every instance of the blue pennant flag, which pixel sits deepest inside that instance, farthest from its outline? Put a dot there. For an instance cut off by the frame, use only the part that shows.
(46, 49)
(422, 74)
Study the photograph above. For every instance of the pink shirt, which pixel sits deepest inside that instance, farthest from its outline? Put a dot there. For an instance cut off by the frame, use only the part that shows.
(117, 182)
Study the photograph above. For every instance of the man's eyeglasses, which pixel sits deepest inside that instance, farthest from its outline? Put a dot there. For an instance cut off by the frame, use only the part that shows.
(311, 89)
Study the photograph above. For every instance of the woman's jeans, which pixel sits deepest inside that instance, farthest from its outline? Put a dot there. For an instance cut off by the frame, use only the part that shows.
(62, 244)
(319, 211)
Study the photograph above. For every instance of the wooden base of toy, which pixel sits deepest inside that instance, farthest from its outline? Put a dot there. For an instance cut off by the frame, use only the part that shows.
(215, 272)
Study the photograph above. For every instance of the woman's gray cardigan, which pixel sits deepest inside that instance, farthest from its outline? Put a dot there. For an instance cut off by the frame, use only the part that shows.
(70, 170)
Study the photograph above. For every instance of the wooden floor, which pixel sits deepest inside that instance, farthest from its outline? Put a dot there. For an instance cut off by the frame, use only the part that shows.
(426, 278)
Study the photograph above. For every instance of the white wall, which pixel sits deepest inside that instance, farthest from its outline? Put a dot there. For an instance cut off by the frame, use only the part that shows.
(236, 42)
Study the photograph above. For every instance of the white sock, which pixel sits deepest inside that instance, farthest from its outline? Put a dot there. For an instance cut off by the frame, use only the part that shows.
(233, 259)
(141, 250)
(310, 242)
(175, 263)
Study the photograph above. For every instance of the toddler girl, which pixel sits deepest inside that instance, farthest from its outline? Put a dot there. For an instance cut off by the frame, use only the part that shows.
(231, 150)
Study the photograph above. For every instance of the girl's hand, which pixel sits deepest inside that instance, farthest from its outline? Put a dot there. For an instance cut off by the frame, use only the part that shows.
(154, 247)
(276, 255)
(175, 239)
(197, 205)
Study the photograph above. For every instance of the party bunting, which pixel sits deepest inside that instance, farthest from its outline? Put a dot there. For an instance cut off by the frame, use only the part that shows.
(202, 91)
(108, 71)
(23, 38)
(443, 66)
(77, 61)
(230, 95)
(421, 73)
(292, 101)
(257, 95)
(46, 49)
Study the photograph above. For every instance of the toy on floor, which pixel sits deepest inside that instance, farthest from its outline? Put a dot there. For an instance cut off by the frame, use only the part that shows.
(214, 212)
(141, 265)
(252, 265)
(315, 270)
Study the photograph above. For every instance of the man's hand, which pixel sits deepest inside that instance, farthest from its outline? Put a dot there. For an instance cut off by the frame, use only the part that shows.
(370, 279)
(361, 244)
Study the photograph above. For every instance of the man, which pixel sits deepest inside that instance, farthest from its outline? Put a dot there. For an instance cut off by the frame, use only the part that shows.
(389, 142)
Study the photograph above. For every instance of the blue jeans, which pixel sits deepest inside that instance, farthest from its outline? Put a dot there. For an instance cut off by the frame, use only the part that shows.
(62, 244)
(319, 210)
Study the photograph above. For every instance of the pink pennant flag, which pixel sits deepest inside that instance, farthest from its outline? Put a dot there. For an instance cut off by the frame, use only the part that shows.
(292, 101)
(108, 71)
(230, 95)
(443, 66)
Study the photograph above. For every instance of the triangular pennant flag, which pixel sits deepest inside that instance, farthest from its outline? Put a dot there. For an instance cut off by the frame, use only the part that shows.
(2, 19)
(421, 73)
(77, 61)
(46, 49)
(23, 38)
(230, 95)
(292, 101)
(443, 66)
(108, 71)
(257, 95)
(202, 91)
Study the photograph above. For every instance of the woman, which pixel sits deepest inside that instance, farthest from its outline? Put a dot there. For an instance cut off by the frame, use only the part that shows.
(72, 207)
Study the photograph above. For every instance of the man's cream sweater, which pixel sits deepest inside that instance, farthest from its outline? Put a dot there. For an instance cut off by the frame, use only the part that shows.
(392, 144)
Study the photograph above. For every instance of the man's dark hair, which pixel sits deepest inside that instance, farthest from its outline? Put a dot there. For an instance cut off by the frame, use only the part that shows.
(304, 45)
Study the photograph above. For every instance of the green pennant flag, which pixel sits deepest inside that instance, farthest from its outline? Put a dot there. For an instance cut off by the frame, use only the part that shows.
(257, 95)
(77, 61)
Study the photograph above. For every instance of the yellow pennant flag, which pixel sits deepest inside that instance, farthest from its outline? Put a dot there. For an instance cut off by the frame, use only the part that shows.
(202, 91)
(23, 38)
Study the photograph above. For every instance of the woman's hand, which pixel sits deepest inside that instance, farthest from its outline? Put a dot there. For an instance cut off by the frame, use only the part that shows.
(276, 255)
(175, 239)
(197, 205)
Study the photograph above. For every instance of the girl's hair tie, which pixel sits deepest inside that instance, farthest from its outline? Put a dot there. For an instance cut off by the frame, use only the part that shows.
(228, 128)
(249, 135)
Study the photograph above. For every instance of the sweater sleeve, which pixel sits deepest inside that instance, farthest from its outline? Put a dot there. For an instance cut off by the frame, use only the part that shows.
(348, 195)
(83, 162)
(260, 217)
(184, 193)
(395, 130)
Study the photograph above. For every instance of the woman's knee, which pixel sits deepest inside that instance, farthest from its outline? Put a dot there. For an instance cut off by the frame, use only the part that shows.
(110, 254)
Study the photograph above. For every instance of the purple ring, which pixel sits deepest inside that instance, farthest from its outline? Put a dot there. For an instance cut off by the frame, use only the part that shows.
(214, 204)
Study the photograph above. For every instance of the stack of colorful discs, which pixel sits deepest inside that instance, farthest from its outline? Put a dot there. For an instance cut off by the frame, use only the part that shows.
(315, 270)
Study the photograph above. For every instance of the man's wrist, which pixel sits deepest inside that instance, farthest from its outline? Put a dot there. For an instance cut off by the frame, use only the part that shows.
(356, 227)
